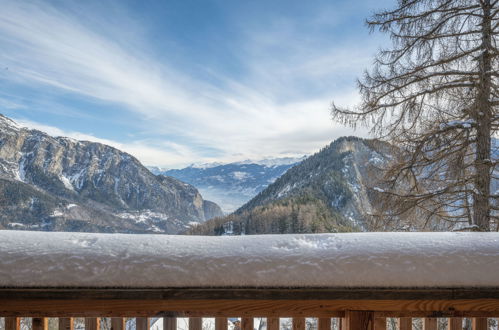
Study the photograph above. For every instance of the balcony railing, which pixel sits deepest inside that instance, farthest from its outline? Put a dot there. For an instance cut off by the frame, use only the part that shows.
(373, 278)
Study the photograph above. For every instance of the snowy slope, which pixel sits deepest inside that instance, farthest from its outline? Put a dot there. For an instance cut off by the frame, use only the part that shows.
(403, 260)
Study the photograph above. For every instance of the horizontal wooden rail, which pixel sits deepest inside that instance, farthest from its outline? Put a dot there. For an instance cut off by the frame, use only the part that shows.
(248, 308)
(248, 294)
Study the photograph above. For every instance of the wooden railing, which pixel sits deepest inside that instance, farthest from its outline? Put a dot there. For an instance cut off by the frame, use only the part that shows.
(357, 309)
(353, 320)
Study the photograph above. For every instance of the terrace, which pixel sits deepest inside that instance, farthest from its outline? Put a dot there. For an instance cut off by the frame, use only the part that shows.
(359, 280)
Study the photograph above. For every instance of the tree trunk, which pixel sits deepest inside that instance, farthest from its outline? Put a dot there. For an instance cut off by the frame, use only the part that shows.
(483, 115)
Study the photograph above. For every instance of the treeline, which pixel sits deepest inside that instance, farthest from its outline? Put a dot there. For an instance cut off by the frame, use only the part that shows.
(303, 214)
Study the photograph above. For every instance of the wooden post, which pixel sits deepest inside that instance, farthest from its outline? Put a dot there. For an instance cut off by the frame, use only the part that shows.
(118, 323)
(272, 323)
(92, 323)
(195, 323)
(430, 323)
(65, 323)
(323, 323)
(12, 323)
(220, 323)
(298, 323)
(479, 323)
(380, 323)
(455, 323)
(169, 323)
(247, 323)
(142, 323)
(40, 323)
(405, 323)
(359, 320)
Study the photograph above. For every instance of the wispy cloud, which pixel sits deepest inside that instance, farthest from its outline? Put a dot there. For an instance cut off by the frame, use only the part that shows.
(279, 107)
(147, 151)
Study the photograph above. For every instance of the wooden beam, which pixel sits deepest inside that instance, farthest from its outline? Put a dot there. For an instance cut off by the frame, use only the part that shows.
(142, 323)
(273, 323)
(455, 323)
(169, 323)
(323, 323)
(430, 323)
(359, 320)
(298, 323)
(250, 294)
(479, 323)
(247, 323)
(247, 308)
(92, 323)
(405, 323)
(221, 323)
(66, 323)
(195, 323)
(12, 323)
(380, 323)
(40, 323)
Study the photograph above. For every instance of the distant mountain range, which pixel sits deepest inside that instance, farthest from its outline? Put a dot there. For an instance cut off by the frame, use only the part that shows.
(330, 191)
(334, 190)
(231, 185)
(60, 184)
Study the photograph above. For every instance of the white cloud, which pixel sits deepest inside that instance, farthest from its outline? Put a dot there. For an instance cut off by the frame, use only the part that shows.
(145, 151)
(263, 114)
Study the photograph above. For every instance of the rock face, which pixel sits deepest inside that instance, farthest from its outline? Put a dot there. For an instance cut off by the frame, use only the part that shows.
(62, 184)
(328, 192)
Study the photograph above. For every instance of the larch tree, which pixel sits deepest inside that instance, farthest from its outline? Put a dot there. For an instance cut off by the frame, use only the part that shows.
(434, 94)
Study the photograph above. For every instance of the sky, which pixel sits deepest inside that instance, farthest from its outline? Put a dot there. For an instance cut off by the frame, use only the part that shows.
(175, 82)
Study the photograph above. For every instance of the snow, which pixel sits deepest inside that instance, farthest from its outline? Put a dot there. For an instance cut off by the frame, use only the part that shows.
(21, 174)
(457, 259)
(267, 162)
(205, 166)
(238, 175)
(66, 182)
(458, 123)
(57, 213)
(16, 224)
(284, 191)
(10, 123)
(78, 179)
(144, 216)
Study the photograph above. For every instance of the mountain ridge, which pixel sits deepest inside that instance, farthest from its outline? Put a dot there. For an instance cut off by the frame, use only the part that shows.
(80, 185)
(327, 192)
(231, 185)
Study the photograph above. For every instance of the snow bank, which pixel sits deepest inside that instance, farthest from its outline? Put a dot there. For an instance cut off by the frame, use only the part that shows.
(42, 259)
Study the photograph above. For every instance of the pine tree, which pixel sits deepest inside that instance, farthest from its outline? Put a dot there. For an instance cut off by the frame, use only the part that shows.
(434, 94)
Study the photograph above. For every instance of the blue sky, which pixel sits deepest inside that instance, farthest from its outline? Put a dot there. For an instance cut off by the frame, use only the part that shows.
(184, 81)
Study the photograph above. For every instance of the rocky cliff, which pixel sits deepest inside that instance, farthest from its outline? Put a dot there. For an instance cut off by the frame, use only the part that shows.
(56, 183)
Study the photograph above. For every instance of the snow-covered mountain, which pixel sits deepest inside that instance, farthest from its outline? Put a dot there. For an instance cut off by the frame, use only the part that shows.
(56, 183)
(333, 190)
(231, 185)
(327, 192)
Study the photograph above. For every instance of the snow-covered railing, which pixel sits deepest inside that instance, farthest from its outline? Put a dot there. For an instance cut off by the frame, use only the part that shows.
(356, 281)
